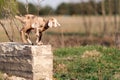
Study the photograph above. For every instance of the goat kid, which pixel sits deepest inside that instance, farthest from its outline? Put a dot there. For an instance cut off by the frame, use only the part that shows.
(32, 22)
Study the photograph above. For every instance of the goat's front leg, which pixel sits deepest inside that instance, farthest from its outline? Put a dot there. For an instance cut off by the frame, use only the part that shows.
(28, 37)
(23, 36)
(39, 36)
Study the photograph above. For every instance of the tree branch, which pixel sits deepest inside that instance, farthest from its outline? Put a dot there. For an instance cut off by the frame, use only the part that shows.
(6, 31)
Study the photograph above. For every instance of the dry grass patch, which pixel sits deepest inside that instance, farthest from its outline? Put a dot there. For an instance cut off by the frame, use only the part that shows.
(117, 76)
(89, 54)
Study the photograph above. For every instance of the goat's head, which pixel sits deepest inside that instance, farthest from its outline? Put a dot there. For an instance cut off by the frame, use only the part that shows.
(29, 16)
(53, 23)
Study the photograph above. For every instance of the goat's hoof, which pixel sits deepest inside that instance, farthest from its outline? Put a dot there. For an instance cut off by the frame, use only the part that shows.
(32, 43)
(40, 43)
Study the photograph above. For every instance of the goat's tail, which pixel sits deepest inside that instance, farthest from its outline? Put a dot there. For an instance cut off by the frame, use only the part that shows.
(20, 19)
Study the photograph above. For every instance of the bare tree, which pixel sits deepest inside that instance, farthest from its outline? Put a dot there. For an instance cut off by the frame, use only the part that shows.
(119, 16)
(38, 6)
(109, 5)
(95, 7)
(6, 31)
(110, 13)
(85, 21)
(7, 11)
(104, 17)
(116, 33)
(27, 7)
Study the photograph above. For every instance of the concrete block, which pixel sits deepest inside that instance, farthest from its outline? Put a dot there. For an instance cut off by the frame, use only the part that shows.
(30, 62)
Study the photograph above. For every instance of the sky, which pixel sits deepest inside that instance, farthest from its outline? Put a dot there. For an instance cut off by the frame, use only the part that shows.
(52, 3)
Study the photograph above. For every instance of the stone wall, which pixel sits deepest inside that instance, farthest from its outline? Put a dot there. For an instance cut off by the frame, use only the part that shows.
(30, 62)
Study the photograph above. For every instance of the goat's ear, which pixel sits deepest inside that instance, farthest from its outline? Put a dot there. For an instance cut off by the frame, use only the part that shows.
(50, 24)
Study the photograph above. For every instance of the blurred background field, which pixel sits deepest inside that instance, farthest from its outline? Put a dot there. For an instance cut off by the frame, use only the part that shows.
(72, 31)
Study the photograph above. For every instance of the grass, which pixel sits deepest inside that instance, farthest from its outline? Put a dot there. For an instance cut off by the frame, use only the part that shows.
(1, 76)
(87, 63)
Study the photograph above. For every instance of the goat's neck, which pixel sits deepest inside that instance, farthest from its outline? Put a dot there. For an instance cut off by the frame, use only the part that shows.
(46, 26)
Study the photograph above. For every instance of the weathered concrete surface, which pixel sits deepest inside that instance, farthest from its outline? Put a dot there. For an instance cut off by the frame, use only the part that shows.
(31, 62)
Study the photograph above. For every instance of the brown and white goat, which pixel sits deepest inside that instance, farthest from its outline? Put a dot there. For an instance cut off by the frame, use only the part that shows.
(32, 22)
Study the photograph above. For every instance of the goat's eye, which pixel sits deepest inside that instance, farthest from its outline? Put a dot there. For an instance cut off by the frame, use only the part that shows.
(41, 26)
(28, 17)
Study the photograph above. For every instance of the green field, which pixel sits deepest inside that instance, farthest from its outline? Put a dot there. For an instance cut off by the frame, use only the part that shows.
(87, 63)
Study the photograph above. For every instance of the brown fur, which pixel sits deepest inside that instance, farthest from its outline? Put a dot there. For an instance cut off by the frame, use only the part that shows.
(38, 24)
